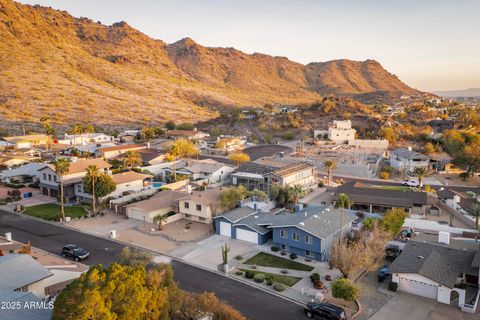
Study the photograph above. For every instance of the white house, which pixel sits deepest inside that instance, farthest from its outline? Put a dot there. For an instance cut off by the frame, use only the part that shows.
(86, 138)
(199, 171)
(26, 141)
(341, 131)
(406, 160)
(434, 270)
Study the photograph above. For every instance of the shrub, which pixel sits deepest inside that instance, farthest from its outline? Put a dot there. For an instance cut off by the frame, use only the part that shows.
(284, 271)
(384, 175)
(249, 274)
(328, 277)
(293, 256)
(275, 249)
(279, 287)
(239, 272)
(259, 277)
(393, 286)
(283, 253)
(239, 257)
(269, 280)
(314, 277)
(308, 260)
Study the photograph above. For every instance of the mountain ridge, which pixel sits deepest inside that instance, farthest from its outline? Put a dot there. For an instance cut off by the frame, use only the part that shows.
(75, 69)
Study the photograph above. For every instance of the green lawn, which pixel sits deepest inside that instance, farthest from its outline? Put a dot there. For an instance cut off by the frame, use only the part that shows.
(398, 188)
(51, 211)
(267, 260)
(289, 281)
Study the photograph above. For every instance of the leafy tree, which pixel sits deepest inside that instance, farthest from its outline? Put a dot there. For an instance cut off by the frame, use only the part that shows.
(178, 150)
(62, 166)
(393, 220)
(474, 211)
(390, 134)
(469, 157)
(429, 148)
(170, 125)
(258, 194)
(330, 165)
(342, 203)
(369, 223)
(160, 219)
(147, 133)
(295, 193)
(452, 141)
(231, 197)
(132, 159)
(239, 157)
(421, 173)
(98, 185)
(345, 289)
(185, 126)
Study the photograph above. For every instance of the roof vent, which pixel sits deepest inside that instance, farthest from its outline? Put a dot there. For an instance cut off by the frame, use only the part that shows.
(420, 257)
(315, 216)
(256, 217)
(302, 223)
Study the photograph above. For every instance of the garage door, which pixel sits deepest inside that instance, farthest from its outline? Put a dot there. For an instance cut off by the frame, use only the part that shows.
(225, 229)
(246, 235)
(136, 214)
(419, 288)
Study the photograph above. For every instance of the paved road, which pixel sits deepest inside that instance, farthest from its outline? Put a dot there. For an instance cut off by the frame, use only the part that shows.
(253, 303)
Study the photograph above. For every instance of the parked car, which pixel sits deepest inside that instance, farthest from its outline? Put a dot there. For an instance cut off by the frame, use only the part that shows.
(74, 252)
(325, 311)
(383, 274)
(391, 253)
(410, 183)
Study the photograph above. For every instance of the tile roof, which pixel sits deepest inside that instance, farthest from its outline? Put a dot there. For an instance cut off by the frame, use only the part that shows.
(19, 270)
(123, 147)
(30, 137)
(82, 165)
(435, 261)
(207, 197)
(129, 176)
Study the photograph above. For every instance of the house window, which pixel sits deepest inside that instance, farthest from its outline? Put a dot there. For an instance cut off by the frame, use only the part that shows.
(295, 236)
(79, 188)
(187, 205)
(44, 176)
(308, 253)
(49, 177)
(202, 219)
(283, 247)
(199, 207)
(283, 234)
(55, 178)
(309, 239)
(188, 215)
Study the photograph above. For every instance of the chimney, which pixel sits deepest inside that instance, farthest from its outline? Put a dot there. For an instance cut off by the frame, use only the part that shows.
(409, 148)
(444, 237)
(456, 198)
(189, 189)
(148, 145)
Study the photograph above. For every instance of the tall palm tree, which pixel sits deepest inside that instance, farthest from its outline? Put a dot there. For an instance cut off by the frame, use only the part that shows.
(77, 129)
(296, 192)
(160, 219)
(132, 159)
(342, 203)
(179, 149)
(420, 173)
(62, 166)
(329, 165)
(474, 211)
(93, 174)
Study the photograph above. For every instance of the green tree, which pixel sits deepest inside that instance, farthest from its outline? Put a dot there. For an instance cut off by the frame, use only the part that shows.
(469, 157)
(231, 197)
(160, 219)
(393, 220)
(132, 159)
(62, 166)
(421, 173)
(178, 150)
(170, 125)
(342, 203)
(239, 157)
(429, 148)
(101, 186)
(390, 134)
(92, 175)
(369, 223)
(258, 194)
(330, 165)
(345, 289)
(295, 193)
(474, 211)
(147, 133)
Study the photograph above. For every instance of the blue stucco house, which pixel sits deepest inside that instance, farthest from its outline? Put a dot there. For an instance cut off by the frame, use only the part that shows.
(307, 232)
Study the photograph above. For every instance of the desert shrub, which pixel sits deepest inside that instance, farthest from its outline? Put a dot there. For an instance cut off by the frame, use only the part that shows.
(249, 274)
(393, 286)
(384, 175)
(275, 249)
(239, 272)
(239, 257)
(259, 277)
(269, 280)
(283, 253)
(293, 256)
(314, 277)
(279, 287)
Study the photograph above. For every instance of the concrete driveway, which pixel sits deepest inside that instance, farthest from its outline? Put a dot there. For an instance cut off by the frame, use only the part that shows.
(405, 306)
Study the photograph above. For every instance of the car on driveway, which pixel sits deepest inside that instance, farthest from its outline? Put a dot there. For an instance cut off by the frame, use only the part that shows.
(325, 311)
(74, 252)
(383, 274)
(410, 183)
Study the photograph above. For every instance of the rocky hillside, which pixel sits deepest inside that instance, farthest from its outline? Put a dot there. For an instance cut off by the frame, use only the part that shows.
(75, 69)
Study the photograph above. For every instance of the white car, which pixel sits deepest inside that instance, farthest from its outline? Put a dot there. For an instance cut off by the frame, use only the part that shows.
(410, 183)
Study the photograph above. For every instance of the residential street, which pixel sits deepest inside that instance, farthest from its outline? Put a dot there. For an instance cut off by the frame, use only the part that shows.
(253, 303)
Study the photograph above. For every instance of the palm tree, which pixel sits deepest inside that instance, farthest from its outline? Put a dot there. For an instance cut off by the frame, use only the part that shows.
(76, 130)
(342, 203)
(420, 173)
(132, 159)
(330, 165)
(295, 193)
(474, 211)
(160, 219)
(62, 166)
(178, 149)
(92, 174)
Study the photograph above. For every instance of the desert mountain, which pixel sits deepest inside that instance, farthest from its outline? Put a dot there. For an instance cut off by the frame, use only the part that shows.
(75, 69)
(466, 93)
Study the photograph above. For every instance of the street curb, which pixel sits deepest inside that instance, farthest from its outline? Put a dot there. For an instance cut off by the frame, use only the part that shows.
(163, 254)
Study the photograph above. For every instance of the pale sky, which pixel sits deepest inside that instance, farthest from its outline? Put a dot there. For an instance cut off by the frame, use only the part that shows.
(428, 44)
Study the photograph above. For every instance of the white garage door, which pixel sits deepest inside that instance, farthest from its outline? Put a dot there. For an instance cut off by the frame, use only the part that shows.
(225, 229)
(136, 214)
(246, 235)
(419, 288)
